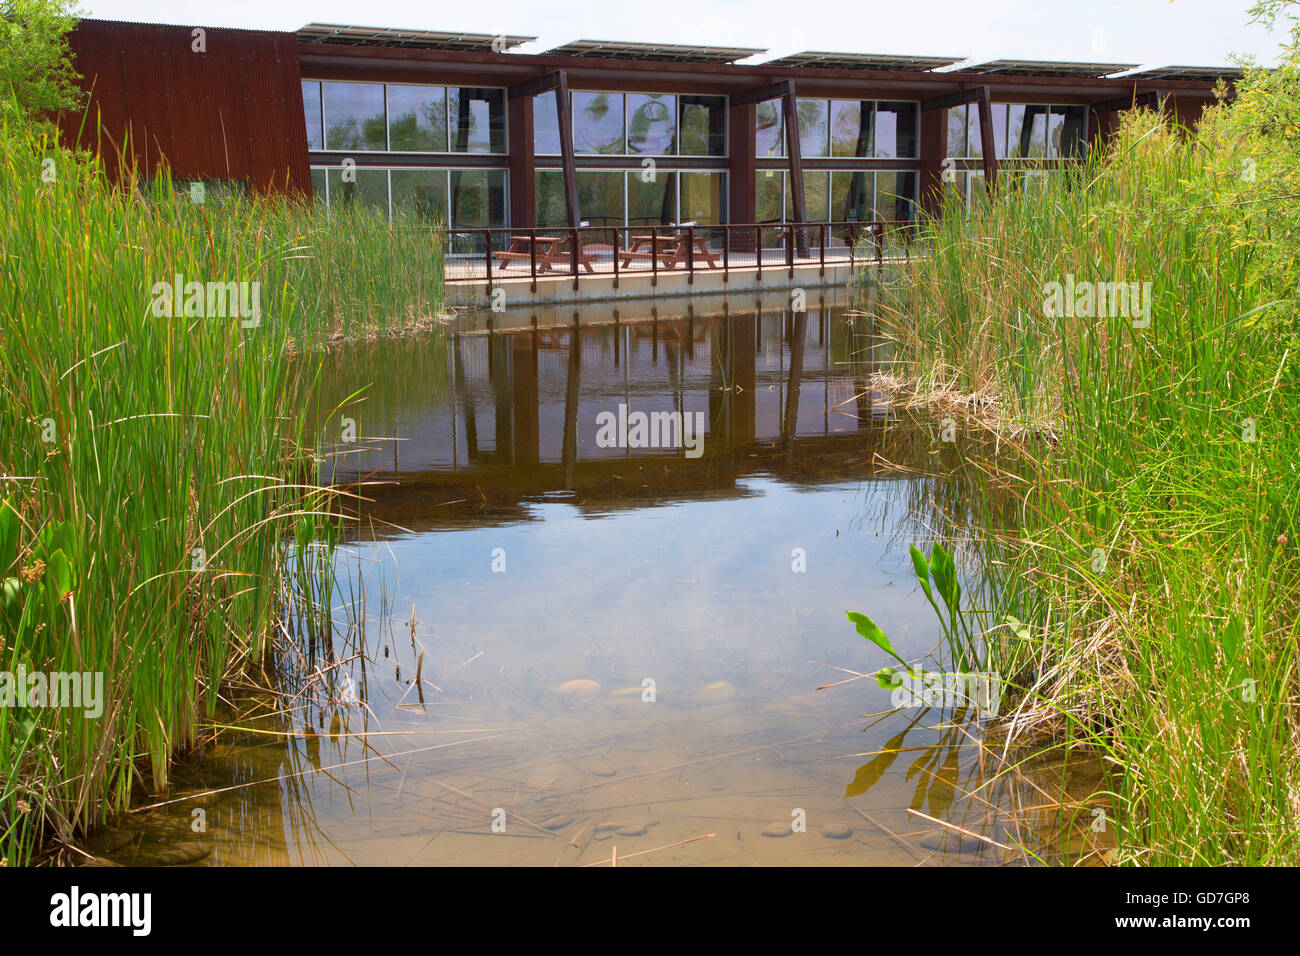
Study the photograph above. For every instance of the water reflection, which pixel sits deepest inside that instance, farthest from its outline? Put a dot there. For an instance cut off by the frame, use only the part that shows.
(562, 651)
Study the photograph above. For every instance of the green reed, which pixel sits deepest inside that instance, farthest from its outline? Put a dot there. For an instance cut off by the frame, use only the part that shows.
(157, 513)
(1153, 553)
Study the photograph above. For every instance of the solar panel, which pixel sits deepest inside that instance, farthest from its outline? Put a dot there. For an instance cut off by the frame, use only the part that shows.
(670, 52)
(863, 61)
(1192, 73)
(416, 39)
(1048, 68)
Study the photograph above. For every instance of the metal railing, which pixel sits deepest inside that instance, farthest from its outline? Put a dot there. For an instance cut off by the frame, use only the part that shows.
(574, 252)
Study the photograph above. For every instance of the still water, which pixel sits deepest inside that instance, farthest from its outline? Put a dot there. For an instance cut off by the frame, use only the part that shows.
(550, 651)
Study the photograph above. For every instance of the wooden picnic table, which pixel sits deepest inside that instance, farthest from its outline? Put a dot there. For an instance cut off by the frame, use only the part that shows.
(547, 250)
(668, 249)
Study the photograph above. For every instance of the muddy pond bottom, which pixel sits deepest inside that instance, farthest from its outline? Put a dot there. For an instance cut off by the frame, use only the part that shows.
(551, 650)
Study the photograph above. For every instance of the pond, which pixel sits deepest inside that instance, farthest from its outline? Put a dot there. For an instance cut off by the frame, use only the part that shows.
(557, 644)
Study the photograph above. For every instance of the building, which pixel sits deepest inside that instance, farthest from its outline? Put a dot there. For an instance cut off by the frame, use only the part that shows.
(459, 128)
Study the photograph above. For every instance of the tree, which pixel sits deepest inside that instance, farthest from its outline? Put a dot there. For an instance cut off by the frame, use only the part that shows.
(36, 75)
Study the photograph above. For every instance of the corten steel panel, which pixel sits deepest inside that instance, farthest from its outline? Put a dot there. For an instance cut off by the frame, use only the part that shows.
(233, 111)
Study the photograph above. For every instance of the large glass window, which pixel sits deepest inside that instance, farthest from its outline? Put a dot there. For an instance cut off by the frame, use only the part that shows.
(546, 125)
(851, 126)
(703, 200)
(318, 184)
(957, 132)
(417, 118)
(896, 130)
(419, 192)
(548, 198)
(598, 123)
(354, 116)
(476, 119)
(702, 125)
(1067, 135)
(769, 129)
(895, 196)
(1027, 131)
(600, 197)
(851, 196)
(477, 198)
(651, 203)
(652, 124)
(361, 187)
(769, 188)
(311, 109)
(816, 201)
(813, 125)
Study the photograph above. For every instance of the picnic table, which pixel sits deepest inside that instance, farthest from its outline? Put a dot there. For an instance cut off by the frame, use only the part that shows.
(546, 250)
(668, 249)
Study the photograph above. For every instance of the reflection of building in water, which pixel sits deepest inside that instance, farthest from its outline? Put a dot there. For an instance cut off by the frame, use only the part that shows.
(533, 397)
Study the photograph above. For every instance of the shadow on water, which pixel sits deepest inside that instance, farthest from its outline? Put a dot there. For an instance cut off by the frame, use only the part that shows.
(550, 648)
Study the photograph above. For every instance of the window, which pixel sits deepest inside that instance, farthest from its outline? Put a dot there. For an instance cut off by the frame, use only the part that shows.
(813, 125)
(702, 125)
(769, 129)
(600, 197)
(851, 127)
(896, 130)
(549, 198)
(311, 109)
(354, 116)
(477, 198)
(651, 203)
(546, 125)
(652, 124)
(417, 118)
(465, 198)
(421, 193)
(403, 117)
(702, 200)
(361, 187)
(476, 119)
(598, 123)
(816, 201)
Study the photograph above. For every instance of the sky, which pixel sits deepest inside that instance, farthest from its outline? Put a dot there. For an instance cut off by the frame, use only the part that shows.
(1142, 32)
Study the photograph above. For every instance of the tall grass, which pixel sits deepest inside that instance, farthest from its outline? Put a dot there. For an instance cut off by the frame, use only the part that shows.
(1155, 551)
(150, 467)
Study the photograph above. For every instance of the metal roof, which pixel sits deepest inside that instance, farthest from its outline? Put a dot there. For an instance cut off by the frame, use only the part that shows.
(1194, 73)
(1048, 68)
(687, 53)
(419, 39)
(863, 61)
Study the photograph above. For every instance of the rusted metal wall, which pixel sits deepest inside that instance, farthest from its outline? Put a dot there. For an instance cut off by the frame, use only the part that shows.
(233, 111)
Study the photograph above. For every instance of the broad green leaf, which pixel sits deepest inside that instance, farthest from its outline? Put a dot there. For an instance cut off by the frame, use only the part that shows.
(922, 567)
(868, 629)
(8, 535)
(1019, 628)
(59, 569)
(888, 679)
(945, 577)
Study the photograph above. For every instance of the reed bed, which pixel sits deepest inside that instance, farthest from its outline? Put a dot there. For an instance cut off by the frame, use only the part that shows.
(154, 525)
(1153, 479)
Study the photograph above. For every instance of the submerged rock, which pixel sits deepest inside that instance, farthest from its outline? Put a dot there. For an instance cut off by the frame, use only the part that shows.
(837, 831)
(777, 830)
(580, 689)
(717, 692)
